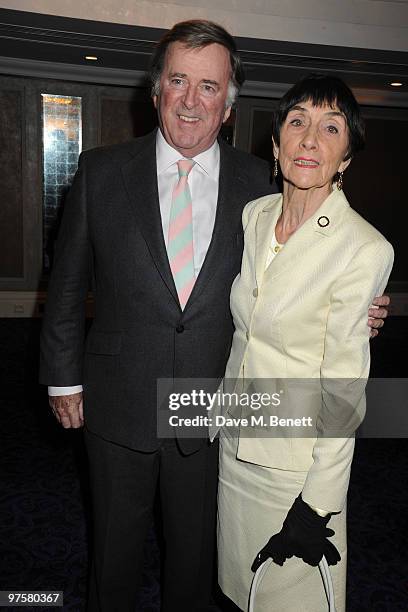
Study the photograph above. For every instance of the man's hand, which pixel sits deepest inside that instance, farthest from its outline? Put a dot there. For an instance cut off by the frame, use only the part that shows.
(377, 313)
(68, 409)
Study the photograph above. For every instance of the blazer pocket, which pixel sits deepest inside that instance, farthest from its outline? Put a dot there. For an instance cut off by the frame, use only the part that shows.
(104, 343)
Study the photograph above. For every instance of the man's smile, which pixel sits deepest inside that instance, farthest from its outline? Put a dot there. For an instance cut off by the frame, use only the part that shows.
(188, 119)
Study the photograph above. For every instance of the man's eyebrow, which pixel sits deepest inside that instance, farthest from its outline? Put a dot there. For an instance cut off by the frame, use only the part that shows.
(183, 75)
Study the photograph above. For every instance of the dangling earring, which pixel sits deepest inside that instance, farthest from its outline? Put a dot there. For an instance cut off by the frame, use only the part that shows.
(275, 169)
(340, 181)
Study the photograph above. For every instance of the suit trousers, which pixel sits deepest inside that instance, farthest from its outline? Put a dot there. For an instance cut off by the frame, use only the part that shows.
(124, 483)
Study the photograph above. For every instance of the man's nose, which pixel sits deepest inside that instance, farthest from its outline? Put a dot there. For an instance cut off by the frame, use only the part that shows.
(190, 97)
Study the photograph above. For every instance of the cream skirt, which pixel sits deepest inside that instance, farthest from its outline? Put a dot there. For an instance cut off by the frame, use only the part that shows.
(253, 502)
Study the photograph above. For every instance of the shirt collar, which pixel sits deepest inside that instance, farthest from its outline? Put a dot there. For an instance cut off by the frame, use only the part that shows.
(166, 156)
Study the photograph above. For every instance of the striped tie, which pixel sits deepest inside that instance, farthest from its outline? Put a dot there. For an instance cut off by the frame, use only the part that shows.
(180, 244)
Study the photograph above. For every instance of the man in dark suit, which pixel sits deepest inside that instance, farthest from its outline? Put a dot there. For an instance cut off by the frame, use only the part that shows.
(117, 229)
(116, 223)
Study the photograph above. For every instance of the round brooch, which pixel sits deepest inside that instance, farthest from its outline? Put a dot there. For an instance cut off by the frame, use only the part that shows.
(323, 221)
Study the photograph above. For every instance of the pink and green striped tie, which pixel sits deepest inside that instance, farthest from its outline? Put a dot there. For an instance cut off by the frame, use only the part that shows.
(180, 244)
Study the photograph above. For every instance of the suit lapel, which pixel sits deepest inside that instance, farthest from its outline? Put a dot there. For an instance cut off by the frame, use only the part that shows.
(140, 178)
(232, 194)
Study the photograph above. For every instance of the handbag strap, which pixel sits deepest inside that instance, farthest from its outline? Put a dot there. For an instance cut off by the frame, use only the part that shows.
(325, 574)
(328, 583)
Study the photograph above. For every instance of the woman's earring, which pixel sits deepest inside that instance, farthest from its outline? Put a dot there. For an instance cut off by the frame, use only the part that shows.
(275, 169)
(340, 181)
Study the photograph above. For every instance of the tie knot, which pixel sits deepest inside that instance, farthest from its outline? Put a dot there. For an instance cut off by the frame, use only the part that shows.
(184, 166)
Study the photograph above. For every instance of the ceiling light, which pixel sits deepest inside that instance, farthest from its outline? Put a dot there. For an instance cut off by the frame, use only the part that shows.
(396, 84)
(92, 58)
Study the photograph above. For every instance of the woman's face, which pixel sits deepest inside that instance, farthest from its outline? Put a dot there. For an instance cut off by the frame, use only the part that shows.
(313, 144)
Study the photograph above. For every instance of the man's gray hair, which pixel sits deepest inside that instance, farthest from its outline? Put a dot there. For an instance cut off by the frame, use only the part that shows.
(195, 34)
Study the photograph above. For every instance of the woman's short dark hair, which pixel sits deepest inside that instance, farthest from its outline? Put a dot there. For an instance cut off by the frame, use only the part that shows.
(321, 90)
(195, 34)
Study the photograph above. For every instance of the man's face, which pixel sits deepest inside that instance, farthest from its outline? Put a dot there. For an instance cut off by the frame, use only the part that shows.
(193, 91)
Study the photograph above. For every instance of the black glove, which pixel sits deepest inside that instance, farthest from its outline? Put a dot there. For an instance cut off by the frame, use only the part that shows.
(304, 534)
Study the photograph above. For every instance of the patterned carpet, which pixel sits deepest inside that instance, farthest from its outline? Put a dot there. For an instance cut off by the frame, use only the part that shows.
(44, 497)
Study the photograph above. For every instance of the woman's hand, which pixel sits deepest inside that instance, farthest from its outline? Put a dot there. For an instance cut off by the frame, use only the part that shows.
(304, 534)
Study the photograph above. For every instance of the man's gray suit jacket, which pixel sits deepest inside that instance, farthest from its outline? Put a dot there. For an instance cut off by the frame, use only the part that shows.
(111, 238)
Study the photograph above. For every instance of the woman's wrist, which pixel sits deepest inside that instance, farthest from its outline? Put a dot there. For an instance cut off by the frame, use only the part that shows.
(319, 511)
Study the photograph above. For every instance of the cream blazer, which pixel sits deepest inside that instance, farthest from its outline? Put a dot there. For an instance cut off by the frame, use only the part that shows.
(305, 317)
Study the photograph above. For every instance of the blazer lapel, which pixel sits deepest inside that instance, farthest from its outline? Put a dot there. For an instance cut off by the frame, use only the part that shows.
(140, 178)
(309, 236)
(265, 228)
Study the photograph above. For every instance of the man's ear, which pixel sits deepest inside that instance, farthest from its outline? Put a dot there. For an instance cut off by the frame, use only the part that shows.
(227, 113)
(155, 101)
(275, 149)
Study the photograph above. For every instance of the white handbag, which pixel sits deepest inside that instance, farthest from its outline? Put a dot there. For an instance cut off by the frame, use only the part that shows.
(324, 571)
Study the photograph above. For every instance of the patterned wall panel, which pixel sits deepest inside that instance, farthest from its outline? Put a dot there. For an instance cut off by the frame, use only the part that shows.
(62, 144)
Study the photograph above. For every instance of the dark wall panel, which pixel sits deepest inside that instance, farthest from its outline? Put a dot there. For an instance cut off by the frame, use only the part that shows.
(261, 141)
(11, 184)
(376, 181)
(123, 118)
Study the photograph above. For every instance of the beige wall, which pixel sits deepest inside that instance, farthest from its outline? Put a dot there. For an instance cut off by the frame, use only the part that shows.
(376, 24)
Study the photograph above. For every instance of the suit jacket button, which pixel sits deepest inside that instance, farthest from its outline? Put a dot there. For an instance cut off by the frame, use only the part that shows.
(180, 329)
(255, 292)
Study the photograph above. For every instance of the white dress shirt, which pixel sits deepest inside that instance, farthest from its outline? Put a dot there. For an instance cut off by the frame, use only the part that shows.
(203, 182)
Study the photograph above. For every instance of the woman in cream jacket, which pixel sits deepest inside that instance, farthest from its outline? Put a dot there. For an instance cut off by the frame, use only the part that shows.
(311, 268)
